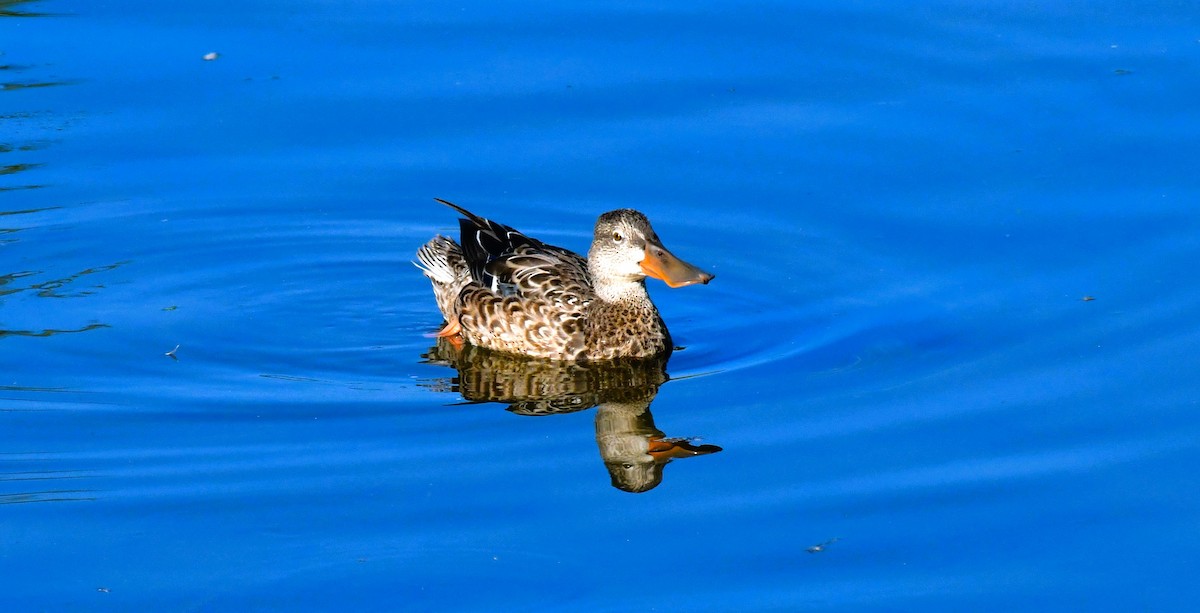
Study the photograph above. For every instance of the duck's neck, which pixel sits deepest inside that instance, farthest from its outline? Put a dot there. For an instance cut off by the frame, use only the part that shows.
(631, 293)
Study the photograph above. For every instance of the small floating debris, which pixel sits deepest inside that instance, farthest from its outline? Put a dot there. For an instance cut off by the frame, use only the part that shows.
(103, 590)
(1120, 72)
(818, 548)
(171, 353)
(210, 56)
(1088, 298)
(170, 308)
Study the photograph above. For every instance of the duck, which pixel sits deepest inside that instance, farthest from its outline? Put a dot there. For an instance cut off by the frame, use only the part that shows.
(503, 290)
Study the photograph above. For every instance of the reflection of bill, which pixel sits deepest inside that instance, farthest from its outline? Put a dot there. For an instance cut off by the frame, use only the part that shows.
(632, 448)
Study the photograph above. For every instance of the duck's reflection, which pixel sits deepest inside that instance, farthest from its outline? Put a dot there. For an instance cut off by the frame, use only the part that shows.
(633, 450)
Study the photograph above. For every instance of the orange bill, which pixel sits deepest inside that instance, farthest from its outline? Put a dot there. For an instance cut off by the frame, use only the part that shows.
(662, 264)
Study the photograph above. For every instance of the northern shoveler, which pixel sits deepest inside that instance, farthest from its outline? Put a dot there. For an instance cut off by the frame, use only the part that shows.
(506, 291)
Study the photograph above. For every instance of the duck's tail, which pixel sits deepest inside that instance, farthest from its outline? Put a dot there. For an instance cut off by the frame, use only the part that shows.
(441, 259)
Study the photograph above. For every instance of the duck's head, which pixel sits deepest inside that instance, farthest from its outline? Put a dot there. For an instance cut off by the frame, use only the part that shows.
(626, 249)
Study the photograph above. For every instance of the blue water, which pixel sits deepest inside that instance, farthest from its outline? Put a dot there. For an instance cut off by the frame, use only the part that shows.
(948, 357)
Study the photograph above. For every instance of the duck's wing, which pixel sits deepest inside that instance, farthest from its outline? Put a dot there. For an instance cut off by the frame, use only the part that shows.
(509, 262)
(546, 272)
(483, 241)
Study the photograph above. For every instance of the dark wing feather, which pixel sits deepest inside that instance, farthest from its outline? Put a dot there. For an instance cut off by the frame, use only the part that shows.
(483, 241)
(507, 261)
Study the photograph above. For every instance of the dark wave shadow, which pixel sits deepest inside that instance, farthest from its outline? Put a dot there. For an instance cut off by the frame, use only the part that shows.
(13, 284)
(50, 331)
(24, 284)
(12, 8)
(31, 477)
(633, 449)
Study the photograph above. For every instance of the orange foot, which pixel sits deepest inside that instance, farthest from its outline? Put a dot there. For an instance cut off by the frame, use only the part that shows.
(452, 332)
(451, 328)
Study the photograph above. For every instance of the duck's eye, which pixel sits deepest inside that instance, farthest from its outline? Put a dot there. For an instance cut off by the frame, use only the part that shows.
(617, 237)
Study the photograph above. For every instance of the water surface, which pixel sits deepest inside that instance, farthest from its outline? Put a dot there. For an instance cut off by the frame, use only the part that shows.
(947, 358)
